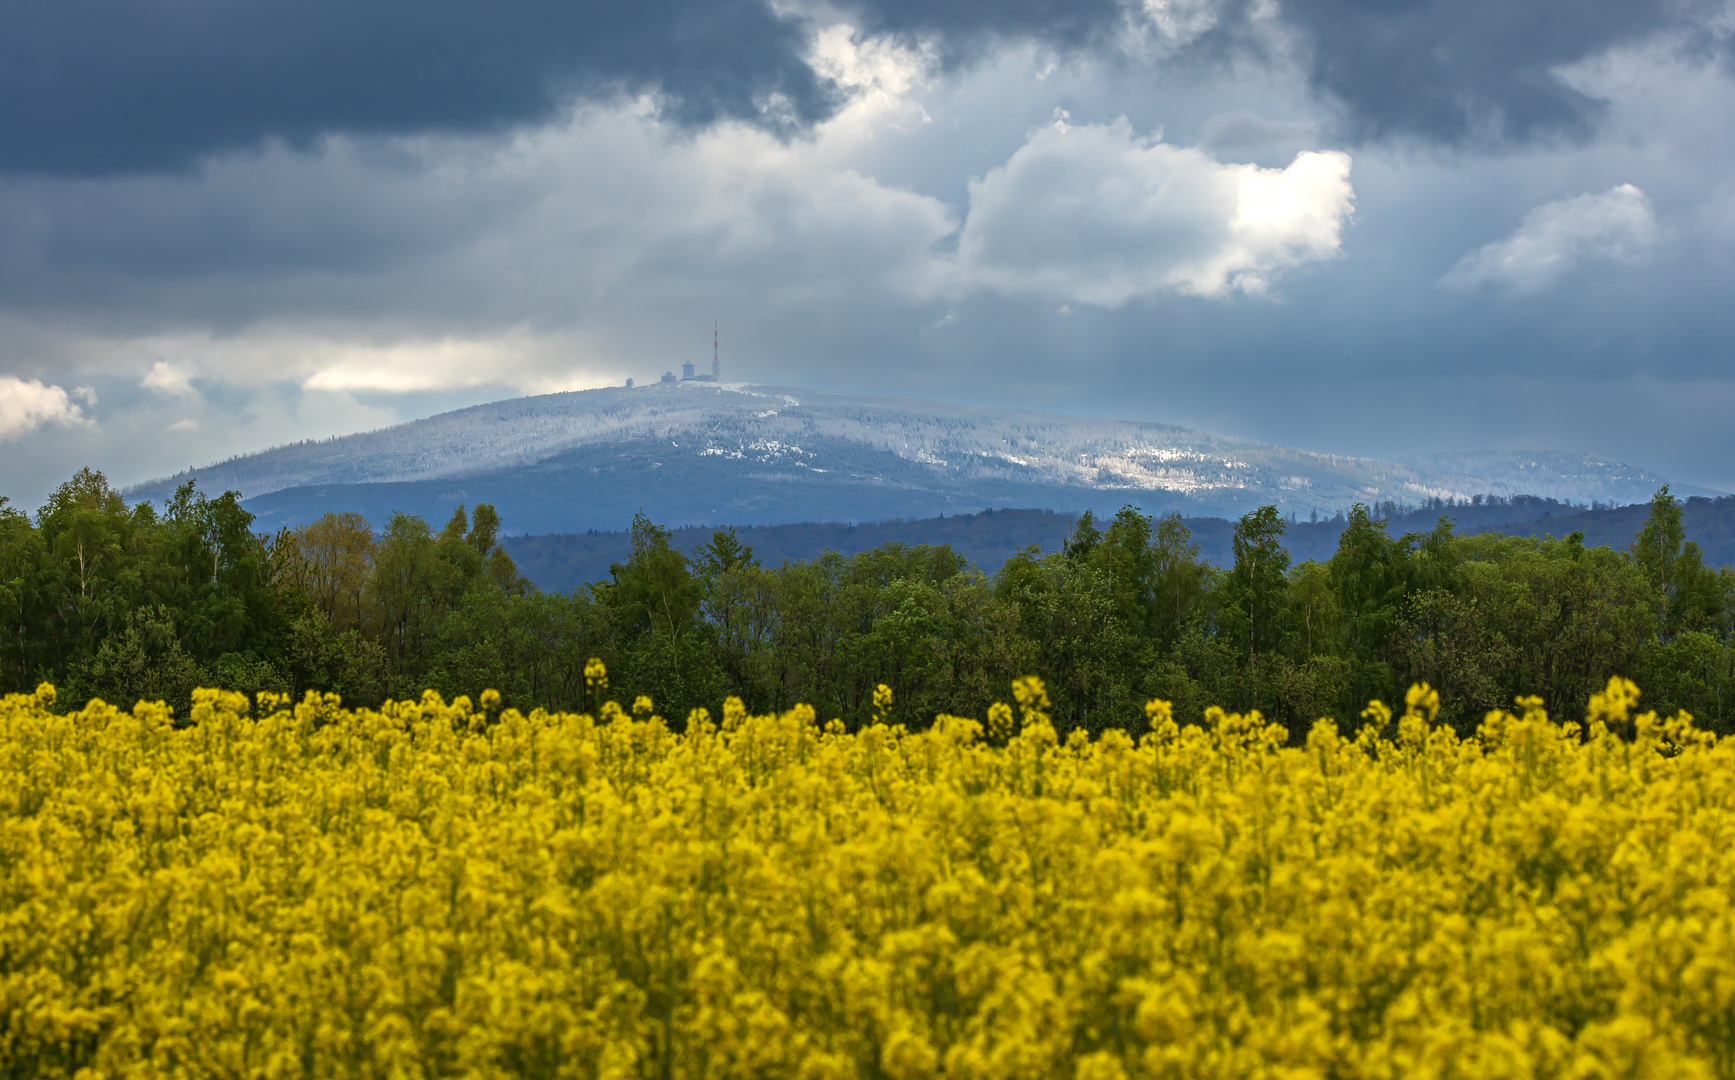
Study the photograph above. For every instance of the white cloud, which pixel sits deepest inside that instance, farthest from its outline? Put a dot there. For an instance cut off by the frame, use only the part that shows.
(1096, 214)
(1617, 225)
(1182, 22)
(526, 362)
(165, 378)
(879, 75)
(26, 406)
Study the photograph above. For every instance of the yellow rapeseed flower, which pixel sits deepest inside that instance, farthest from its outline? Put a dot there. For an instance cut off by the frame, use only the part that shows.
(296, 889)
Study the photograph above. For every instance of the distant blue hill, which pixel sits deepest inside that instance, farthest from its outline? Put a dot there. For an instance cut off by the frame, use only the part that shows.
(563, 562)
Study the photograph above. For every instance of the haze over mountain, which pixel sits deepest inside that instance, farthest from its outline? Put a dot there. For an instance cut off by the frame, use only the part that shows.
(733, 453)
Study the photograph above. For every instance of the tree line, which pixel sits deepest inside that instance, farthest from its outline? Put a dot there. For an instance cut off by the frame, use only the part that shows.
(128, 602)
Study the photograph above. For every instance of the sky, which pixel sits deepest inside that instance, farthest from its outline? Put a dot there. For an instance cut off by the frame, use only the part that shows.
(1372, 229)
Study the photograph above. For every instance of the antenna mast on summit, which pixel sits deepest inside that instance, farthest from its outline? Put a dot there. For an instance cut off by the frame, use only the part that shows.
(716, 361)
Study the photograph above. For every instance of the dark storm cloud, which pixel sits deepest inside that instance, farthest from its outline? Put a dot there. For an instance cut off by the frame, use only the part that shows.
(1452, 70)
(98, 87)
(962, 24)
(106, 86)
(1445, 70)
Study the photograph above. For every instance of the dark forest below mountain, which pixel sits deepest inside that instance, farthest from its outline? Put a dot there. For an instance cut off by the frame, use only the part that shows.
(126, 602)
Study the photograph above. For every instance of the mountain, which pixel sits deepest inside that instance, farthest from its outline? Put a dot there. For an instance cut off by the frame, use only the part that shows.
(703, 453)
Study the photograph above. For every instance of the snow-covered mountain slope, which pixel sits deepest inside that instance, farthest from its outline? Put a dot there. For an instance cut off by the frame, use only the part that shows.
(732, 453)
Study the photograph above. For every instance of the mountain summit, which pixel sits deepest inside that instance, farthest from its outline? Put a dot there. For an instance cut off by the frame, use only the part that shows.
(735, 453)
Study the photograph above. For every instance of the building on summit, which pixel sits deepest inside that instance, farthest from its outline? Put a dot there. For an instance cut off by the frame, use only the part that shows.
(689, 372)
(716, 375)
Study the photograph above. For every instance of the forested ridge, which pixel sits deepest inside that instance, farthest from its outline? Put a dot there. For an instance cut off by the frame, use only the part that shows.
(126, 602)
(562, 562)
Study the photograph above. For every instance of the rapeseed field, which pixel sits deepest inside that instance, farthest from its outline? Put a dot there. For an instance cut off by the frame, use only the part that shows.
(437, 888)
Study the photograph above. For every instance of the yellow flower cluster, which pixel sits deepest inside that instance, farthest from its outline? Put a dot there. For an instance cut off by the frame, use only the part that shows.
(447, 889)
